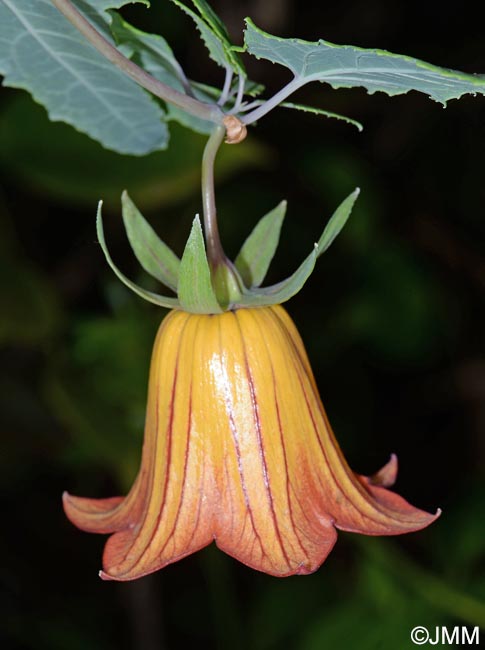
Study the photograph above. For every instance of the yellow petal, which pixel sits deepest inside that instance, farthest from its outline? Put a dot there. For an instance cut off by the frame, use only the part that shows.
(238, 450)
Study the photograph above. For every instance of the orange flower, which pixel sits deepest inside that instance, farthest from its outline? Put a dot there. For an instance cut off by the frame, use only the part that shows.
(238, 450)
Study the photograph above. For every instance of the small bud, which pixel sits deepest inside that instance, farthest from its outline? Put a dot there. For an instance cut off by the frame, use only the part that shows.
(235, 129)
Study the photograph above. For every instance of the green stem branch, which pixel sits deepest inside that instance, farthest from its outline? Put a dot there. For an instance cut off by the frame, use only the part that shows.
(215, 252)
(210, 112)
(273, 101)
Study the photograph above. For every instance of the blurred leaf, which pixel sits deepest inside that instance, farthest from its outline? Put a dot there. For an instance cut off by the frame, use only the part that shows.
(43, 53)
(97, 388)
(153, 254)
(464, 517)
(259, 248)
(345, 66)
(430, 587)
(195, 288)
(281, 611)
(30, 310)
(59, 161)
(397, 308)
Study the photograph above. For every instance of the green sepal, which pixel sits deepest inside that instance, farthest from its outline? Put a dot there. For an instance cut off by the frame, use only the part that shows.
(259, 248)
(228, 285)
(337, 222)
(284, 290)
(155, 298)
(195, 291)
(153, 254)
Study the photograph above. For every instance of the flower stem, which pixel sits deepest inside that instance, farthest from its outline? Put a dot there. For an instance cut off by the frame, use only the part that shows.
(227, 87)
(272, 102)
(240, 94)
(215, 252)
(210, 112)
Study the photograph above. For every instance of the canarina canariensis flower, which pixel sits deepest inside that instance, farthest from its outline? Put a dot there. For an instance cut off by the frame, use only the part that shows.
(238, 450)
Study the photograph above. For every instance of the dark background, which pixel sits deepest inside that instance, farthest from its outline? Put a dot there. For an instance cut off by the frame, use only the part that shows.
(393, 320)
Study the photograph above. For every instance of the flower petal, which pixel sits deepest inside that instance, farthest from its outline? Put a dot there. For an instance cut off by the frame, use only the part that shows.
(386, 476)
(175, 519)
(95, 515)
(238, 449)
(259, 521)
(356, 504)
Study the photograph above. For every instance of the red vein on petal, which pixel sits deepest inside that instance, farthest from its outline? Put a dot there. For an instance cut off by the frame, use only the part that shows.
(327, 462)
(283, 444)
(368, 498)
(232, 425)
(184, 476)
(204, 463)
(257, 422)
(169, 450)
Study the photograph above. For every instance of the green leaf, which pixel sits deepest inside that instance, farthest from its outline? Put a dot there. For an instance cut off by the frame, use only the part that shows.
(320, 111)
(41, 52)
(283, 291)
(31, 312)
(218, 27)
(344, 66)
(337, 222)
(112, 4)
(211, 18)
(212, 40)
(151, 51)
(192, 122)
(39, 154)
(153, 54)
(259, 248)
(214, 35)
(155, 298)
(195, 290)
(153, 254)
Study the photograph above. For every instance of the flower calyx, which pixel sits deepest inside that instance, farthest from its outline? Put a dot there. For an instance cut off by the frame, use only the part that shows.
(202, 288)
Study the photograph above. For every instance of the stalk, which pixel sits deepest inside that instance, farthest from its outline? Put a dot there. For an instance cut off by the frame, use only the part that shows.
(215, 252)
(210, 112)
(273, 101)
(226, 281)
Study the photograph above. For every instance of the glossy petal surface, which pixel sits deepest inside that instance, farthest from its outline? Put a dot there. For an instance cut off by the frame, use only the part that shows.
(238, 449)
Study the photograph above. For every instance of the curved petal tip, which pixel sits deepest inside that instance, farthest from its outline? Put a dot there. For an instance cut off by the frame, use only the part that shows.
(386, 476)
(93, 515)
(104, 576)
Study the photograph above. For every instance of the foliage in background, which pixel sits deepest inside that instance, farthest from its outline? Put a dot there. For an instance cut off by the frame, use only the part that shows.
(399, 339)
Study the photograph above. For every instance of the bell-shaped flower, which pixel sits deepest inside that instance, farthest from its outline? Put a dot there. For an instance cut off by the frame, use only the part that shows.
(238, 450)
